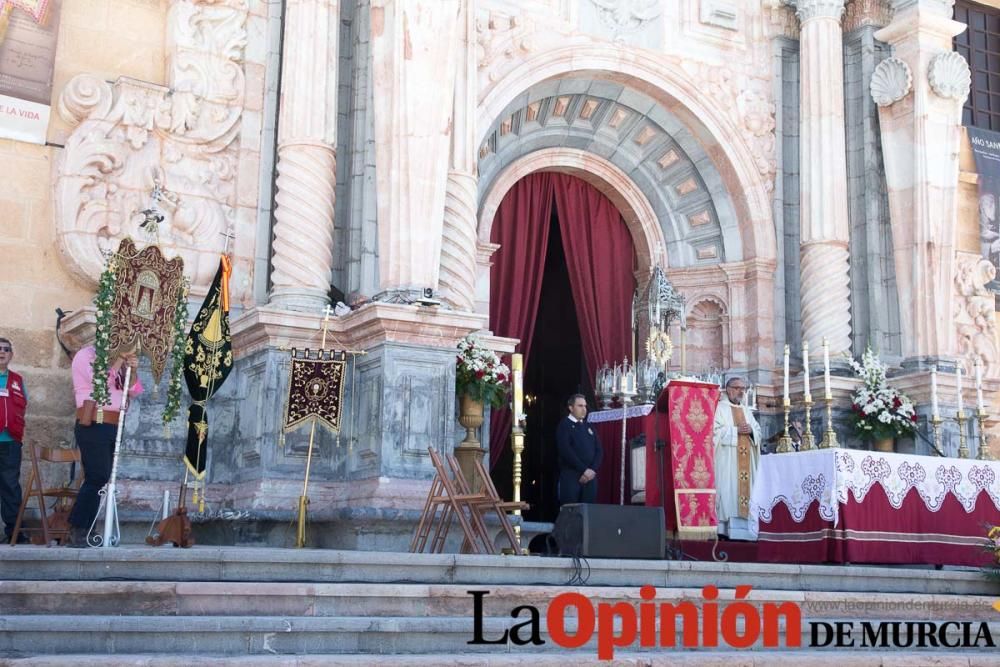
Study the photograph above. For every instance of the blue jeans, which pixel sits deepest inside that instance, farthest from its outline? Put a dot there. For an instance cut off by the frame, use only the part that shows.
(97, 447)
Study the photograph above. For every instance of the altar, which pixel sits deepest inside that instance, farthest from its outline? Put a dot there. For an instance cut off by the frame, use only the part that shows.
(854, 506)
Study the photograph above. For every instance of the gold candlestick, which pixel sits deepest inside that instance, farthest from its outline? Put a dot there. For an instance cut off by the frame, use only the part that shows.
(936, 425)
(808, 441)
(963, 447)
(517, 444)
(984, 439)
(785, 441)
(829, 436)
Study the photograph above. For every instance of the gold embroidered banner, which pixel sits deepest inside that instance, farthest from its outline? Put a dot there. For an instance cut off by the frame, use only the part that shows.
(692, 411)
(315, 388)
(147, 287)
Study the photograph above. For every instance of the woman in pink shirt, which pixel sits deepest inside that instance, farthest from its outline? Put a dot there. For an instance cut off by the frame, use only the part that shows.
(96, 441)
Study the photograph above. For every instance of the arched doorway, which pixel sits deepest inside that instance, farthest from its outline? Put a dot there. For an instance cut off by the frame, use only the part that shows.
(562, 283)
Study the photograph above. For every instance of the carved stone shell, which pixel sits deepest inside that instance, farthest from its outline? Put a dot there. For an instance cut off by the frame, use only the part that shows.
(891, 81)
(949, 76)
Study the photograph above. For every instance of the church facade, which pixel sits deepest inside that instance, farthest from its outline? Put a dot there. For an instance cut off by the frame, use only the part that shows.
(798, 168)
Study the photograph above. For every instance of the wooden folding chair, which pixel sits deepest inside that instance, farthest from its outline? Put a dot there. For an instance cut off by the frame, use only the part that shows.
(500, 506)
(445, 496)
(477, 503)
(54, 525)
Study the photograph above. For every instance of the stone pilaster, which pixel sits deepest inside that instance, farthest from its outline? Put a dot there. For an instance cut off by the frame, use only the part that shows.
(826, 305)
(458, 242)
(415, 46)
(920, 91)
(307, 161)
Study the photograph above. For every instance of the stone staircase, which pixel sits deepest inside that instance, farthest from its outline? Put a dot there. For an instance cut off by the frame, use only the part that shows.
(232, 605)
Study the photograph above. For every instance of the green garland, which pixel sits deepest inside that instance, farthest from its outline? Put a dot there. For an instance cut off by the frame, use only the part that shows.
(177, 356)
(104, 301)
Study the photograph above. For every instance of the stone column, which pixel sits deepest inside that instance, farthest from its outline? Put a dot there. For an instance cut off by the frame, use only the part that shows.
(920, 92)
(415, 45)
(826, 294)
(307, 161)
(458, 242)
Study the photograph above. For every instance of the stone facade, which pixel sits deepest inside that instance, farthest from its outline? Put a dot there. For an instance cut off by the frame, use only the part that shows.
(771, 156)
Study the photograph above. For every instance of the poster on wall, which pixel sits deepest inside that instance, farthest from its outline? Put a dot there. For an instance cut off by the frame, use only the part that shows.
(986, 151)
(29, 30)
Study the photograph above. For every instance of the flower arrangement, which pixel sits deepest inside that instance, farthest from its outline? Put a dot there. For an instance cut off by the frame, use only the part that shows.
(177, 356)
(104, 303)
(879, 410)
(480, 374)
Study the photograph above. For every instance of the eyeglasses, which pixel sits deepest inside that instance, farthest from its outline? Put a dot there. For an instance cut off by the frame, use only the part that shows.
(6, 348)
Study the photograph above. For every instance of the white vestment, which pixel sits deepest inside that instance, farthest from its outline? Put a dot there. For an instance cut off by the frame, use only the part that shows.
(726, 441)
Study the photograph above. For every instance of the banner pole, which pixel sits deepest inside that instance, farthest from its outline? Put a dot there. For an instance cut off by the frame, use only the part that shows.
(300, 532)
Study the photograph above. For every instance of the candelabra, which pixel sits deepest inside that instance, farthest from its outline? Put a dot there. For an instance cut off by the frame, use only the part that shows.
(829, 436)
(936, 426)
(626, 398)
(517, 444)
(808, 441)
(785, 441)
(984, 440)
(963, 447)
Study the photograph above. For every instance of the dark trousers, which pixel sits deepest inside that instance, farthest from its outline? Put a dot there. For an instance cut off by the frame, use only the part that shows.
(10, 484)
(97, 446)
(571, 491)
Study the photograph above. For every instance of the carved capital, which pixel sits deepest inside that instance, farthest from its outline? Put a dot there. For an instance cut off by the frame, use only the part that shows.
(949, 76)
(892, 80)
(941, 7)
(814, 9)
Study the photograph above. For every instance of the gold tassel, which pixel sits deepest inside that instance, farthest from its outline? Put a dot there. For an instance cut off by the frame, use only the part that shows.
(100, 416)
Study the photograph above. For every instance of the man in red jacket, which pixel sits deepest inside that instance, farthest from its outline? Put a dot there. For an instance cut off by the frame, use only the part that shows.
(13, 403)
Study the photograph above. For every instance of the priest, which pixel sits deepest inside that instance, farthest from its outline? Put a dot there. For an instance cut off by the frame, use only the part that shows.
(737, 452)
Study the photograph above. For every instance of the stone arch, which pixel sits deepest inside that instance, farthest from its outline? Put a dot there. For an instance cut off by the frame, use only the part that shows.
(671, 87)
(637, 212)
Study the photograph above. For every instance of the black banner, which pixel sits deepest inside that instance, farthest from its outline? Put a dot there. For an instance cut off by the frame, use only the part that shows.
(315, 388)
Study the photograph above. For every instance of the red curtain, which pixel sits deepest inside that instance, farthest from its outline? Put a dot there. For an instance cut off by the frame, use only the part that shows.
(521, 227)
(599, 257)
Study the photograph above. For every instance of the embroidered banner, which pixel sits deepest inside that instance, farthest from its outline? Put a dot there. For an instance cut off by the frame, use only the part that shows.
(147, 286)
(208, 361)
(315, 388)
(28, 33)
(692, 411)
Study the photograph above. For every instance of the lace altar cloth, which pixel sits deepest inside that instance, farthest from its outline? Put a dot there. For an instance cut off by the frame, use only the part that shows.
(798, 479)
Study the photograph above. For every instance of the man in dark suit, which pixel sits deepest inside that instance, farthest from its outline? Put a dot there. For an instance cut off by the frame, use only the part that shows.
(580, 454)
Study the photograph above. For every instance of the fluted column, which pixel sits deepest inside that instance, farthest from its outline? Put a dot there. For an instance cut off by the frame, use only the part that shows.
(920, 92)
(825, 291)
(302, 260)
(458, 242)
(415, 46)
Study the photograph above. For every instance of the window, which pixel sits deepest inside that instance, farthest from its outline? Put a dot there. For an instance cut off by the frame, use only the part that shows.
(980, 46)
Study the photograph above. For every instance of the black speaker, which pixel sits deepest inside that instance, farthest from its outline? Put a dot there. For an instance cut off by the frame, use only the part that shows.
(610, 531)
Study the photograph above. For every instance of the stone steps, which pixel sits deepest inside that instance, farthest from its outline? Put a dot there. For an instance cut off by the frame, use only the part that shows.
(168, 599)
(248, 564)
(769, 658)
(236, 635)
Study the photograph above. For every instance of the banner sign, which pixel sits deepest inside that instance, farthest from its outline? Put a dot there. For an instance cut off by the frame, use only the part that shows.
(29, 30)
(315, 388)
(986, 151)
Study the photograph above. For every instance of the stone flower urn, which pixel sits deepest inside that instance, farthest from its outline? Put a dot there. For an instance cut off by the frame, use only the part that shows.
(885, 445)
(470, 416)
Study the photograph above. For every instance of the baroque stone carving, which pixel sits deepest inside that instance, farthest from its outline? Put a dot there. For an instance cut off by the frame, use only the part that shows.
(975, 323)
(810, 9)
(758, 121)
(861, 13)
(500, 40)
(132, 134)
(949, 76)
(625, 16)
(891, 81)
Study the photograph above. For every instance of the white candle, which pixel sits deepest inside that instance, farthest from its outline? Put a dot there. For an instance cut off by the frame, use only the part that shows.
(934, 396)
(517, 366)
(979, 387)
(958, 377)
(826, 369)
(786, 375)
(805, 370)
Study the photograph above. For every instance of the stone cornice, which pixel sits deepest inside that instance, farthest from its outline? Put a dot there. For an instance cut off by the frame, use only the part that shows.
(362, 329)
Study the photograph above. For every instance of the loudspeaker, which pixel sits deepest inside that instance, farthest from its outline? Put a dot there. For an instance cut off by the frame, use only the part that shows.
(610, 531)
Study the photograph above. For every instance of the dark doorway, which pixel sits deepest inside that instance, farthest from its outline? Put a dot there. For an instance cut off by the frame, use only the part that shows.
(556, 369)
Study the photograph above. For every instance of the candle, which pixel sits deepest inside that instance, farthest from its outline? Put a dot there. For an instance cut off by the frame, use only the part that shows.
(958, 377)
(979, 387)
(828, 395)
(517, 366)
(934, 396)
(786, 375)
(805, 370)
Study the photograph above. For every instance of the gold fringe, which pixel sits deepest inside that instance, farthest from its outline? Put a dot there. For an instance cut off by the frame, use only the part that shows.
(701, 533)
